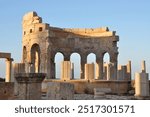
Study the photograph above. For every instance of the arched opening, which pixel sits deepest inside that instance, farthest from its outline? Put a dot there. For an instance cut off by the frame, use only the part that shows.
(75, 59)
(106, 66)
(59, 57)
(106, 58)
(24, 54)
(91, 59)
(35, 58)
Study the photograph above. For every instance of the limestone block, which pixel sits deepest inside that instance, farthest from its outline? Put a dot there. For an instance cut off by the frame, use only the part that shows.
(105, 90)
(19, 68)
(6, 91)
(141, 84)
(89, 71)
(98, 94)
(66, 70)
(97, 71)
(29, 85)
(60, 91)
(122, 72)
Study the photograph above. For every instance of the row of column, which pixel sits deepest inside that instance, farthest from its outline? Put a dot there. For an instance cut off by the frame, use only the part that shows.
(99, 67)
(90, 71)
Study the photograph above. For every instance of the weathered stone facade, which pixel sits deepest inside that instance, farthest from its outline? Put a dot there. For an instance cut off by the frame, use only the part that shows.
(41, 42)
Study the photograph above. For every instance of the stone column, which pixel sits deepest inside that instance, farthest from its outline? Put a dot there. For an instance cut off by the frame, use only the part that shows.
(99, 70)
(29, 85)
(142, 82)
(83, 62)
(119, 73)
(66, 72)
(143, 67)
(108, 71)
(129, 70)
(89, 71)
(124, 72)
(141, 85)
(8, 69)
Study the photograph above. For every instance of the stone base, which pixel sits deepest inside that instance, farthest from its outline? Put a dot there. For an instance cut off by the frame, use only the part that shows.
(29, 85)
(60, 91)
(6, 91)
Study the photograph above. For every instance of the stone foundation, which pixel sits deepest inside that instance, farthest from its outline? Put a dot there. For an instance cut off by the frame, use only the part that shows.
(29, 85)
(86, 87)
(60, 91)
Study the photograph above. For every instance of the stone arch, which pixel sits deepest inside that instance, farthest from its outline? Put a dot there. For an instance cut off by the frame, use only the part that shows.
(35, 58)
(24, 54)
(75, 58)
(91, 58)
(58, 58)
(106, 57)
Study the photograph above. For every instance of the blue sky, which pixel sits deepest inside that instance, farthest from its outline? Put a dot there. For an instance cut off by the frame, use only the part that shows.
(130, 18)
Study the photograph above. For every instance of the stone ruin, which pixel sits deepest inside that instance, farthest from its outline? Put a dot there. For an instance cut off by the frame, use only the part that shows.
(41, 42)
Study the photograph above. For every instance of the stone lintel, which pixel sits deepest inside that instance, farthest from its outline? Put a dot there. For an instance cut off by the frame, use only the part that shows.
(5, 55)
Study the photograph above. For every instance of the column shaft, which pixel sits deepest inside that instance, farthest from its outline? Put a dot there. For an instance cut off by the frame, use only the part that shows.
(8, 70)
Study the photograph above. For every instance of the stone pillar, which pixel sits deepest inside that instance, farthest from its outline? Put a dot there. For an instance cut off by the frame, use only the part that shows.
(142, 82)
(108, 71)
(105, 71)
(19, 68)
(141, 85)
(124, 73)
(113, 60)
(52, 69)
(8, 69)
(99, 71)
(143, 67)
(129, 70)
(119, 73)
(66, 72)
(29, 85)
(89, 71)
(83, 62)
(72, 70)
(12, 73)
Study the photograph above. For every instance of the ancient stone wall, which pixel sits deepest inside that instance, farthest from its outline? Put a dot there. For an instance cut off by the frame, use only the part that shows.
(6, 91)
(86, 87)
(41, 42)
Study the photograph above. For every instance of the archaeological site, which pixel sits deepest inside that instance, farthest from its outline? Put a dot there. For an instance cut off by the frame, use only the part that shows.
(34, 78)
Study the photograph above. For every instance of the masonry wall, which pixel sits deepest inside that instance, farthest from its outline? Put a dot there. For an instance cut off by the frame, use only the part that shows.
(6, 91)
(41, 42)
(82, 86)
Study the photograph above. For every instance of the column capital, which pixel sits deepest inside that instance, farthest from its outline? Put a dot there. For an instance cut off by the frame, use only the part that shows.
(9, 59)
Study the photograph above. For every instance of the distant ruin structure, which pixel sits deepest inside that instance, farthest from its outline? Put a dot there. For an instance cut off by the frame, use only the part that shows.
(34, 77)
(41, 42)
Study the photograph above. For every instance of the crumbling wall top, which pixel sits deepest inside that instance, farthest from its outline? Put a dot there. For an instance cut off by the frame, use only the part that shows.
(31, 18)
